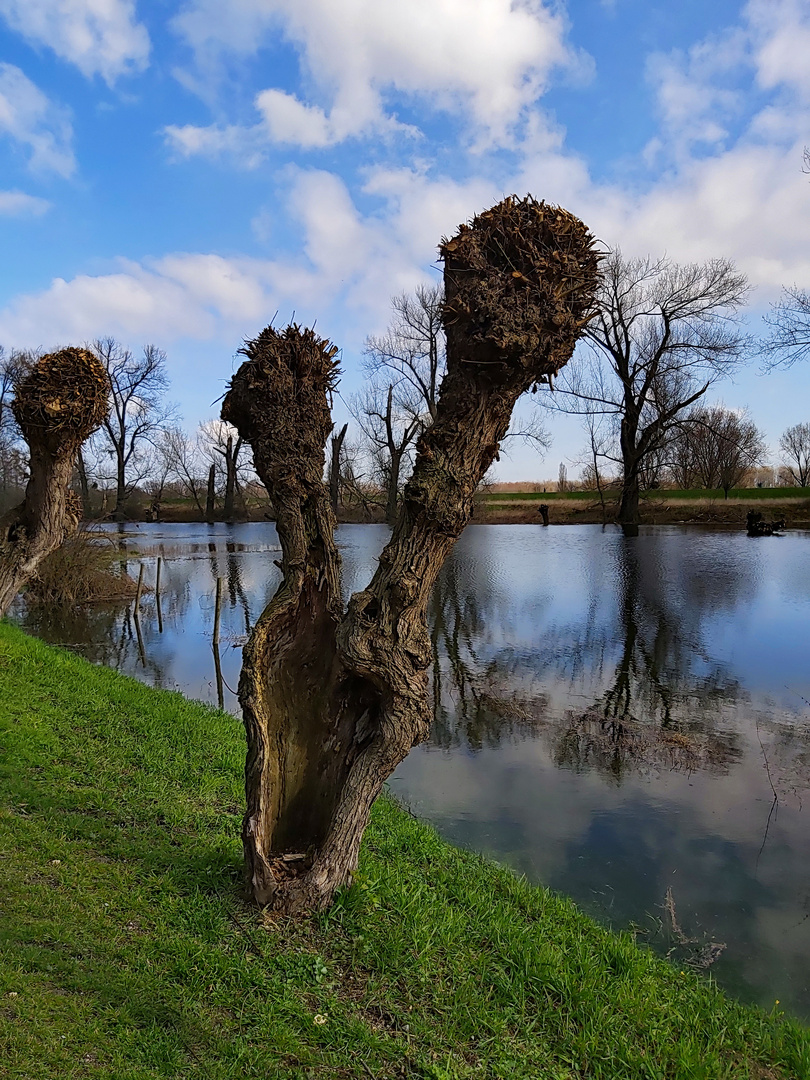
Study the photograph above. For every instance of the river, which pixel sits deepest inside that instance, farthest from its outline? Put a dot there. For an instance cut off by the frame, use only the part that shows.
(626, 720)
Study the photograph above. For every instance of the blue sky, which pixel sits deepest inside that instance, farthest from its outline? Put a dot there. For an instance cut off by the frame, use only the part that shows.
(177, 173)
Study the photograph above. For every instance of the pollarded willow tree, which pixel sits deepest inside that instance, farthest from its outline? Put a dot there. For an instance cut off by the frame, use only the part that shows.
(333, 699)
(58, 403)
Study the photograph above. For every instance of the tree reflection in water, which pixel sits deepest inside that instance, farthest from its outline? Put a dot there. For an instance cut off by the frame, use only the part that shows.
(656, 690)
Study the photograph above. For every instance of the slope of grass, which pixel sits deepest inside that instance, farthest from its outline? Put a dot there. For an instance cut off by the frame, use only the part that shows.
(127, 952)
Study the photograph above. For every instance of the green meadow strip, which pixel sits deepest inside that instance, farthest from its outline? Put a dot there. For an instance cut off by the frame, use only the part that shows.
(127, 952)
(658, 494)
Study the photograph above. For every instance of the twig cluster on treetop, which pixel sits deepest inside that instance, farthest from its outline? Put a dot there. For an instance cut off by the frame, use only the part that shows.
(521, 279)
(65, 395)
(281, 393)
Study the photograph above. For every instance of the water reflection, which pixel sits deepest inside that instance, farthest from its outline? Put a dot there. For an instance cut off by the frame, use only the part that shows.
(605, 709)
(655, 685)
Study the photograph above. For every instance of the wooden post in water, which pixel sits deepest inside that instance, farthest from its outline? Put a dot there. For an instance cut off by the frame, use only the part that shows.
(138, 590)
(141, 648)
(218, 674)
(157, 596)
(217, 611)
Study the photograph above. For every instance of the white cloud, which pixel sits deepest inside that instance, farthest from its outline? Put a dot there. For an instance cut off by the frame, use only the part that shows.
(195, 296)
(245, 145)
(347, 263)
(488, 58)
(288, 120)
(700, 90)
(780, 31)
(693, 104)
(101, 37)
(18, 204)
(284, 120)
(30, 118)
(750, 204)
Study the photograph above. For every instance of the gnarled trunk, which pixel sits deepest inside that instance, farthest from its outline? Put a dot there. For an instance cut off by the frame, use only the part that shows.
(334, 700)
(58, 404)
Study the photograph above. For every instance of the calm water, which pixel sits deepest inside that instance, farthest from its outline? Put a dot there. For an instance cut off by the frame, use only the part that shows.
(624, 720)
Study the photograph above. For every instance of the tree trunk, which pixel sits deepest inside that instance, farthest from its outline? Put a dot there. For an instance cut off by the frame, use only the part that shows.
(629, 503)
(37, 526)
(631, 480)
(209, 499)
(120, 490)
(230, 479)
(83, 485)
(333, 701)
(60, 402)
(334, 468)
(392, 499)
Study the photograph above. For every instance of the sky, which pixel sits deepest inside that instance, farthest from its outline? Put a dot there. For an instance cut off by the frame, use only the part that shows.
(185, 173)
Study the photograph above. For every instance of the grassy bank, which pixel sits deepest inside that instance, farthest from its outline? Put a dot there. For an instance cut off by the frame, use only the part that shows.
(690, 495)
(659, 507)
(126, 950)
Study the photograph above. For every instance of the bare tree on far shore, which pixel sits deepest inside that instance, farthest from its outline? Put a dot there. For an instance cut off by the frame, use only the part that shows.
(662, 335)
(223, 447)
(390, 433)
(177, 459)
(789, 322)
(336, 470)
(715, 447)
(139, 412)
(13, 464)
(794, 444)
(410, 355)
(789, 318)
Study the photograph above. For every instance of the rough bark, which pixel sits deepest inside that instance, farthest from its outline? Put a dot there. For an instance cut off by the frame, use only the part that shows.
(334, 700)
(58, 404)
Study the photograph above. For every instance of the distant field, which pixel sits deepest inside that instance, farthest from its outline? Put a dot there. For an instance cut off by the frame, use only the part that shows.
(735, 493)
(536, 496)
(660, 493)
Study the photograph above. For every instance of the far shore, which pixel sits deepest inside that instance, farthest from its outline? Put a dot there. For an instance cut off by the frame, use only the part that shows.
(660, 507)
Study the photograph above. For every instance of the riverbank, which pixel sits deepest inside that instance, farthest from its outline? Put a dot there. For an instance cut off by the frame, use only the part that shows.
(659, 507)
(128, 952)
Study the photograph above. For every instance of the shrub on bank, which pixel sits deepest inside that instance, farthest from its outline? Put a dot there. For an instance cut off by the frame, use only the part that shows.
(85, 569)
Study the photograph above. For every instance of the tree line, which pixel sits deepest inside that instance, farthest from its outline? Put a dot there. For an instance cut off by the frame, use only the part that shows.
(662, 336)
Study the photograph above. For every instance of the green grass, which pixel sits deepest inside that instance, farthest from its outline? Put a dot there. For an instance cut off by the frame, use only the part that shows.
(127, 952)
